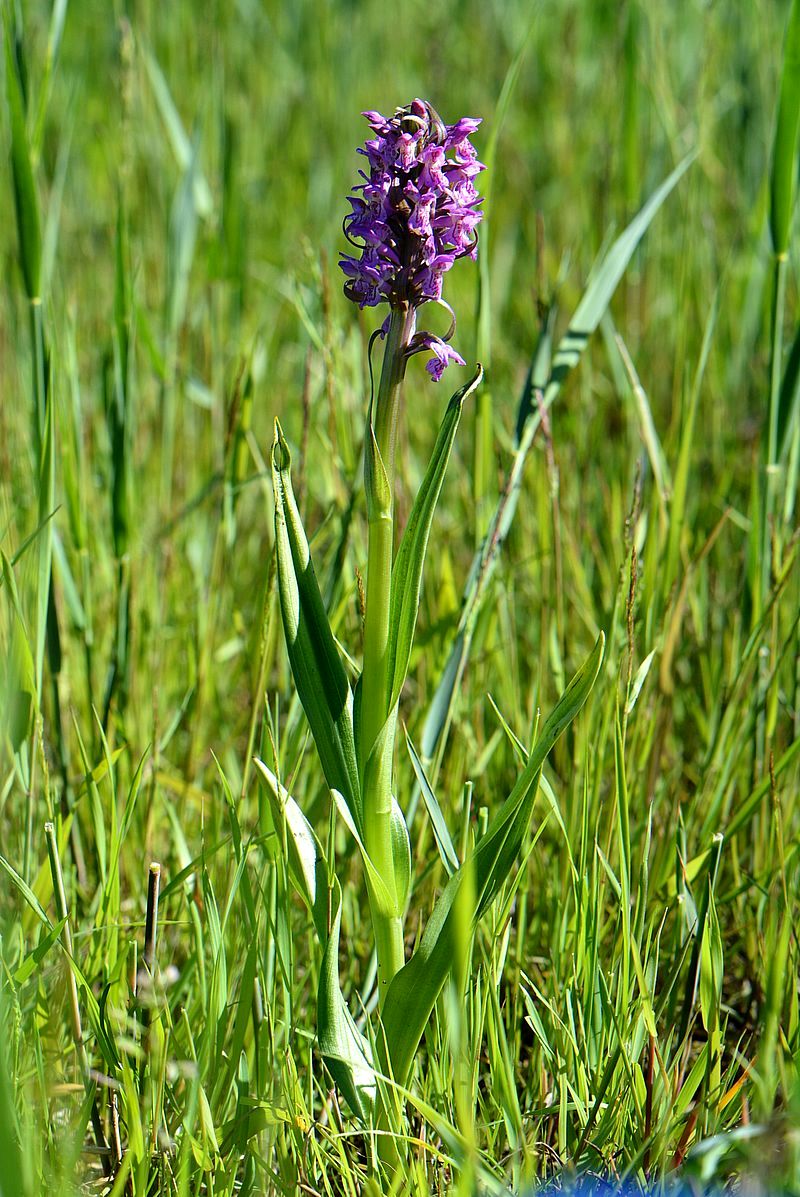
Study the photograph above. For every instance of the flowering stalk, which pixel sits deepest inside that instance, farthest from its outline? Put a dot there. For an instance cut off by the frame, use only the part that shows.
(414, 215)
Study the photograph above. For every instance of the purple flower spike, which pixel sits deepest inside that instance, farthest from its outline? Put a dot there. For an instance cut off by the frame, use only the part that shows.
(414, 215)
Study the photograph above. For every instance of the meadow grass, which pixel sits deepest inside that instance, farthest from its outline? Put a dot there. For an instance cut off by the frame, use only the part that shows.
(170, 214)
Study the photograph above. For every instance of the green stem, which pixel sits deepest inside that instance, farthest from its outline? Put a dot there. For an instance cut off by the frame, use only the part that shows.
(388, 931)
(377, 798)
(380, 506)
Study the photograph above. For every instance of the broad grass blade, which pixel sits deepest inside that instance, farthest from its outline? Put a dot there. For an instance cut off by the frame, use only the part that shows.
(784, 150)
(415, 988)
(25, 199)
(179, 139)
(789, 403)
(316, 667)
(12, 1171)
(17, 672)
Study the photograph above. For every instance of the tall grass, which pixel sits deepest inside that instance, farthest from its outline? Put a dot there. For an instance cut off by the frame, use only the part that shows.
(169, 221)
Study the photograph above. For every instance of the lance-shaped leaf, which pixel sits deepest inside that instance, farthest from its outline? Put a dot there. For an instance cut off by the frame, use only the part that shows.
(787, 128)
(415, 988)
(305, 860)
(26, 202)
(345, 1050)
(596, 298)
(17, 673)
(401, 856)
(316, 666)
(444, 843)
(410, 559)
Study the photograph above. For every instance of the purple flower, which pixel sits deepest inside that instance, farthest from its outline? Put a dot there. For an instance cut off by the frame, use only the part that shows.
(415, 213)
(443, 354)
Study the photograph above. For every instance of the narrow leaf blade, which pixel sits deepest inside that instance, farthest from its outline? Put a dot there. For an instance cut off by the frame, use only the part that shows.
(410, 560)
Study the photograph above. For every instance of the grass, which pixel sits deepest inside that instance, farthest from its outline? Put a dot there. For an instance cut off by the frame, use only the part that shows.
(631, 1004)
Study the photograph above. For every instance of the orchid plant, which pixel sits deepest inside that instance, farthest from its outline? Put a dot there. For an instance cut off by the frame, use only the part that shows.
(415, 213)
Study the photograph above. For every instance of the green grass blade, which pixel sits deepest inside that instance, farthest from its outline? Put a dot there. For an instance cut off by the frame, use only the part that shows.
(603, 283)
(12, 1171)
(789, 402)
(784, 149)
(179, 140)
(26, 202)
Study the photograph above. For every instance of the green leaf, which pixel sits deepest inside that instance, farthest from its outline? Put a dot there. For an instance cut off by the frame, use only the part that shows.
(45, 610)
(346, 1052)
(25, 892)
(601, 286)
(538, 371)
(603, 283)
(376, 883)
(35, 957)
(12, 1170)
(789, 403)
(444, 843)
(784, 149)
(25, 199)
(308, 868)
(410, 560)
(401, 856)
(316, 666)
(179, 140)
(17, 672)
(182, 241)
(414, 990)
(711, 966)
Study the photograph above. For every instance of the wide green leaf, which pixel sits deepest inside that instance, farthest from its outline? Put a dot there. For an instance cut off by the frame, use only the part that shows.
(26, 201)
(13, 1173)
(414, 990)
(17, 672)
(787, 126)
(316, 666)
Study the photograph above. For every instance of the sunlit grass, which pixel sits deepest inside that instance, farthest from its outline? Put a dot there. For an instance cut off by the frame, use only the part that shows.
(630, 1006)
